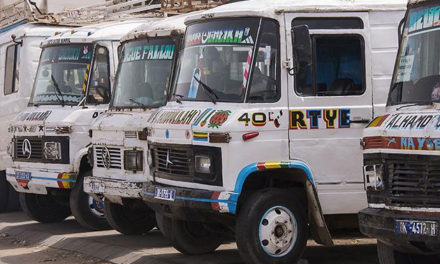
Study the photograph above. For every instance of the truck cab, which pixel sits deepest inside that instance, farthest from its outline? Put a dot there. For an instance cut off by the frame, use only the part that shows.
(401, 148)
(262, 136)
(119, 137)
(49, 138)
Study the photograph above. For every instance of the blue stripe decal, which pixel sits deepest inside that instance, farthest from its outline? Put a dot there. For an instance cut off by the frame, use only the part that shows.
(246, 171)
(13, 26)
(52, 179)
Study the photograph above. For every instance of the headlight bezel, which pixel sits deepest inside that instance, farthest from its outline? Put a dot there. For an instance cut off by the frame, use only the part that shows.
(199, 168)
(134, 155)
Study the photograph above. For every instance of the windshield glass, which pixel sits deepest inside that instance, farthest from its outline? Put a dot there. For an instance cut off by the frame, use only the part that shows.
(61, 75)
(417, 74)
(144, 72)
(215, 63)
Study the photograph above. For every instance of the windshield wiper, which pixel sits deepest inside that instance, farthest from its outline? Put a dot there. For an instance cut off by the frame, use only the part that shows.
(415, 104)
(178, 97)
(57, 89)
(138, 103)
(214, 97)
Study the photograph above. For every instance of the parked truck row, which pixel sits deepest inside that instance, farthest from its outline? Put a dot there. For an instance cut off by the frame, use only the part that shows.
(244, 121)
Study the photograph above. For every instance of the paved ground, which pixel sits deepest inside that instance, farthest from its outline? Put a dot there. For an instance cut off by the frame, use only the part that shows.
(25, 241)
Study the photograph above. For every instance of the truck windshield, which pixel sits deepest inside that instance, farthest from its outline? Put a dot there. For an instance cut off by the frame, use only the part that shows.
(417, 73)
(61, 75)
(215, 64)
(143, 74)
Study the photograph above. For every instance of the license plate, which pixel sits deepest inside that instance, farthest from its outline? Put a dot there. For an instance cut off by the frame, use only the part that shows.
(97, 187)
(164, 194)
(23, 175)
(412, 227)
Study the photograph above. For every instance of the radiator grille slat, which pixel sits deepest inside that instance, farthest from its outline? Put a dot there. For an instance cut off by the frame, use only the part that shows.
(115, 160)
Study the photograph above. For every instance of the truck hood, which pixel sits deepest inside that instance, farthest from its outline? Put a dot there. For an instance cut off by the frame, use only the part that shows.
(122, 121)
(416, 131)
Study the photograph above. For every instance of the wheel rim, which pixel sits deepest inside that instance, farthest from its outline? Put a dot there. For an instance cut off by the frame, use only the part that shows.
(96, 207)
(278, 231)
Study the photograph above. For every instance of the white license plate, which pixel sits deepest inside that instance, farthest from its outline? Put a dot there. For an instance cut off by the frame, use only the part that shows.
(413, 227)
(164, 194)
(23, 175)
(97, 187)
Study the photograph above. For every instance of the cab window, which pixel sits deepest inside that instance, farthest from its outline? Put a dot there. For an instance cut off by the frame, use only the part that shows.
(12, 69)
(337, 69)
(99, 87)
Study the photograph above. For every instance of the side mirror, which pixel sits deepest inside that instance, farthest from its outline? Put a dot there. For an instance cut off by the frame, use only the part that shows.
(302, 47)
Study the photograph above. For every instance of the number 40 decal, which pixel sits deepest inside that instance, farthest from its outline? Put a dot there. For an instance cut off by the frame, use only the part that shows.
(260, 119)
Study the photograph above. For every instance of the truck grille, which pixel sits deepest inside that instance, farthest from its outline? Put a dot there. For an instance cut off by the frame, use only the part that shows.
(109, 158)
(36, 150)
(173, 161)
(413, 183)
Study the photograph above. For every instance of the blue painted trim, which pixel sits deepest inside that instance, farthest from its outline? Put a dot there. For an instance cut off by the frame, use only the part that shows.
(52, 179)
(246, 171)
(13, 26)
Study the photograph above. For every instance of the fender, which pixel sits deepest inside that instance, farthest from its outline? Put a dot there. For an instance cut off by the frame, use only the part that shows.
(314, 206)
(78, 157)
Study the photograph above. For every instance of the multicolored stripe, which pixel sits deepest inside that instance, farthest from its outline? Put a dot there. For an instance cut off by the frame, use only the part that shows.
(198, 136)
(66, 180)
(378, 121)
(86, 78)
(196, 123)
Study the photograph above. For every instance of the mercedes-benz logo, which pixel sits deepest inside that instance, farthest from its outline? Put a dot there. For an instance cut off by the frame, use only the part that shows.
(26, 148)
(106, 158)
(168, 161)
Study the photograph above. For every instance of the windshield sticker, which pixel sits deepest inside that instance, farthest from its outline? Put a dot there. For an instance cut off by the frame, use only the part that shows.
(405, 68)
(74, 53)
(424, 19)
(149, 52)
(402, 143)
(310, 119)
(221, 36)
(194, 87)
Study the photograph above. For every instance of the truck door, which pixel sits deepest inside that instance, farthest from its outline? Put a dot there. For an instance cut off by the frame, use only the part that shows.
(330, 102)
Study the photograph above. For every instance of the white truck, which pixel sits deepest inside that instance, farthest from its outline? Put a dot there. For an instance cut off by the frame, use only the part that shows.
(119, 137)
(50, 137)
(21, 32)
(262, 135)
(401, 148)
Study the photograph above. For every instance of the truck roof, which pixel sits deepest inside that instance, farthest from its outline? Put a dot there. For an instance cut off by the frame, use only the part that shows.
(159, 28)
(113, 30)
(264, 8)
(32, 30)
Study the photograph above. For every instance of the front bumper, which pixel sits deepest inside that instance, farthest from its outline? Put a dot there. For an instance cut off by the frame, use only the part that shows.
(112, 189)
(187, 200)
(380, 223)
(40, 180)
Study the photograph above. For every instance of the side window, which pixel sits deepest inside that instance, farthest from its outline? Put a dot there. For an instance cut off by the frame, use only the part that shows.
(99, 88)
(12, 69)
(264, 86)
(338, 67)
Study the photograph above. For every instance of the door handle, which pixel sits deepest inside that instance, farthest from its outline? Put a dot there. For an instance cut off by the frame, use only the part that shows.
(360, 121)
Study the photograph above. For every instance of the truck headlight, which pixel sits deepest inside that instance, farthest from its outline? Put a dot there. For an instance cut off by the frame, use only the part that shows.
(52, 150)
(202, 163)
(134, 160)
(373, 177)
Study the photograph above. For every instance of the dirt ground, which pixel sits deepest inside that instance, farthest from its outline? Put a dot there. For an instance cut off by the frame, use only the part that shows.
(17, 251)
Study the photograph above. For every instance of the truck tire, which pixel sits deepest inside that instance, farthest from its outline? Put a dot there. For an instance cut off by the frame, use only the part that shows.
(164, 224)
(13, 203)
(128, 220)
(388, 255)
(4, 192)
(88, 212)
(43, 208)
(191, 238)
(271, 228)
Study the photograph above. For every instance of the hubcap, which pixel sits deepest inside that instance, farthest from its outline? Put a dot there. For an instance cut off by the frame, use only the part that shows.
(278, 231)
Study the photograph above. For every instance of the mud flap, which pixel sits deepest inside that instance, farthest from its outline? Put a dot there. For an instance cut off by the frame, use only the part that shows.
(318, 224)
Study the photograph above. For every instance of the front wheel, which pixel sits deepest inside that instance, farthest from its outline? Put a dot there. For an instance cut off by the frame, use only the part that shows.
(271, 228)
(87, 211)
(43, 208)
(188, 237)
(129, 220)
(388, 255)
